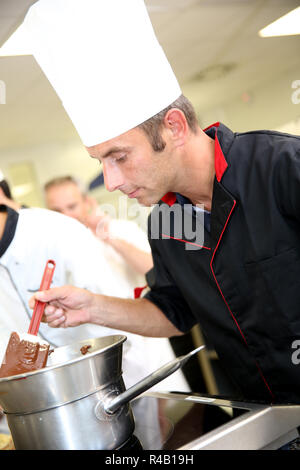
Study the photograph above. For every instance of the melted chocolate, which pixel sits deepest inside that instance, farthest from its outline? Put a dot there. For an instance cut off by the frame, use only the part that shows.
(85, 349)
(23, 356)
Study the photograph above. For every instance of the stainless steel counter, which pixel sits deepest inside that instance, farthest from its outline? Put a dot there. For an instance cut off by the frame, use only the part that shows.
(250, 426)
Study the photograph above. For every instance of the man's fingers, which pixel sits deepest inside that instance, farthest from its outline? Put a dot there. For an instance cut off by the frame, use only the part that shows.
(53, 315)
(53, 295)
(58, 322)
(49, 309)
(64, 306)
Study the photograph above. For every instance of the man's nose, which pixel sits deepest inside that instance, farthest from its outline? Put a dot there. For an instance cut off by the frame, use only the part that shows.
(113, 178)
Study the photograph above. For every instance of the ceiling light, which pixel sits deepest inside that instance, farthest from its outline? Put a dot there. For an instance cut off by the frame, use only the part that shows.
(287, 25)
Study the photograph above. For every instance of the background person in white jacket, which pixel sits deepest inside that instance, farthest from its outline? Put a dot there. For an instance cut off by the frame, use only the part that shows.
(124, 238)
(31, 236)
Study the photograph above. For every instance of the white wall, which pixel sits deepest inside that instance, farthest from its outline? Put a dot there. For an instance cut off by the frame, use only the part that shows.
(52, 160)
(61, 159)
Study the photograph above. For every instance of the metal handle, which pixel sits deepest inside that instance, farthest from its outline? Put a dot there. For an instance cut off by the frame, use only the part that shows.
(157, 376)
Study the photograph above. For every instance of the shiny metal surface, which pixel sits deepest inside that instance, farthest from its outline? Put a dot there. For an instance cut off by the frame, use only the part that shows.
(73, 426)
(112, 406)
(261, 427)
(77, 401)
(54, 408)
(68, 376)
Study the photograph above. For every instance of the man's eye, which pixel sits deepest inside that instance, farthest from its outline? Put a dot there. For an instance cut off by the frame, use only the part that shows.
(121, 158)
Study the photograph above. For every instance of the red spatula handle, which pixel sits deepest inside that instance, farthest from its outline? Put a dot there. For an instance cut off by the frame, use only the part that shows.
(39, 307)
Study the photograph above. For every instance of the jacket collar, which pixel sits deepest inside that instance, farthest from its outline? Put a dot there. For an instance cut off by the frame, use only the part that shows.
(220, 161)
(222, 137)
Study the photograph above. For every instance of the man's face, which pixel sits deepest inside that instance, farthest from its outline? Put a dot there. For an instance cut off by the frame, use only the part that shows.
(67, 199)
(132, 166)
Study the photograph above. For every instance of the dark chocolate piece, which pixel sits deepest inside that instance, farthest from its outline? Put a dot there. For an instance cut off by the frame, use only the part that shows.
(85, 349)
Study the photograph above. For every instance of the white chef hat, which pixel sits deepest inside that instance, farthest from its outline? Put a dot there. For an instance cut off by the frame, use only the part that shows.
(104, 61)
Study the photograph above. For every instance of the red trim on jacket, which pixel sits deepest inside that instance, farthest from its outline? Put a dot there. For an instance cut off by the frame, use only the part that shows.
(169, 198)
(138, 291)
(220, 162)
(185, 241)
(220, 166)
(232, 315)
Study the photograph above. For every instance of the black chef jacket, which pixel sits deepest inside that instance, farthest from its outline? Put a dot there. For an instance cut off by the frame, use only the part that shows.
(243, 285)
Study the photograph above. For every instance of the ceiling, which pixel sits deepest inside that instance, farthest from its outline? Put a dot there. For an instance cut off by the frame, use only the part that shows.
(212, 45)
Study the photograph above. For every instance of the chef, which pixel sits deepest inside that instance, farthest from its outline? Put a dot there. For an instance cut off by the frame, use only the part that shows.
(238, 272)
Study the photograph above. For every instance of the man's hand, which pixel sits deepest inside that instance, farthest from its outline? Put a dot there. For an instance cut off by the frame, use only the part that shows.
(71, 306)
(66, 306)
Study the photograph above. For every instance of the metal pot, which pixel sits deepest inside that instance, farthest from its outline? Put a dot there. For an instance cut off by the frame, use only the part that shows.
(77, 401)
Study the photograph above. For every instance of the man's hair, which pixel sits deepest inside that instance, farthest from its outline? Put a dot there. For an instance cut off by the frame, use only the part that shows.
(6, 189)
(61, 180)
(152, 127)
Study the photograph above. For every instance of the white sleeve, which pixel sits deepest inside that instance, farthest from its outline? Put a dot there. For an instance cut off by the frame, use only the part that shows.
(87, 264)
(129, 232)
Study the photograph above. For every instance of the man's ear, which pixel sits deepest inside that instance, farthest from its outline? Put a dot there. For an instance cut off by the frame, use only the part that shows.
(175, 122)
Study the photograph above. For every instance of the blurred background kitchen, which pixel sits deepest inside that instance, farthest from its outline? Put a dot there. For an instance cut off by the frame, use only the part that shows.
(230, 66)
